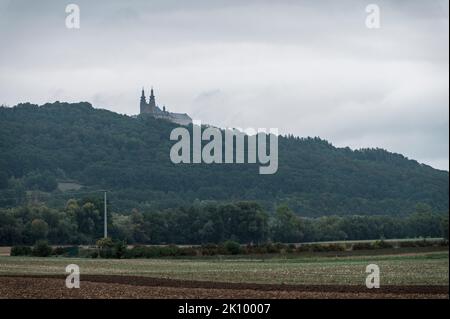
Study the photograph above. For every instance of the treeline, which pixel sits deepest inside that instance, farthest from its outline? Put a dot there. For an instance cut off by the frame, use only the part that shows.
(81, 222)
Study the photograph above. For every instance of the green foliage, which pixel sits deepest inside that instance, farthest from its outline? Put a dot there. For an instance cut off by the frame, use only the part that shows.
(3, 180)
(40, 181)
(363, 246)
(381, 244)
(42, 249)
(120, 249)
(444, 227)
(202, 223)
(287, 227)
(39, 229)
(320, 248)
(21, 251)
(105, 248)
(232, 247)
(70, 251)
(40, 145)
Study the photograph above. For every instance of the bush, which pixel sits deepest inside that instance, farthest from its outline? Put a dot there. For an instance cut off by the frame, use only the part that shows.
(209, 250)
(120, 249)
(59, 251)
(169, 251)
(381, 244)
(188, 251)
(72, 251)
(21, 251)
(443, 243)
(362, 246)
(137, 251)
(414, 243)
(88, 253)
(105, 248)
(232, 247)
(302, 248)
(42, 249)
(290, 249)
(336, 247)
(272, 249)
(317, 248)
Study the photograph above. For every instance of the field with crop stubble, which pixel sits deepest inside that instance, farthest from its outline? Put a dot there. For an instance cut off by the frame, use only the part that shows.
(412, 275)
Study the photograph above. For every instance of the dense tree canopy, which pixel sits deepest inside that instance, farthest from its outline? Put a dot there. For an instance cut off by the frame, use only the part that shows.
(80, 222)
(43, 146)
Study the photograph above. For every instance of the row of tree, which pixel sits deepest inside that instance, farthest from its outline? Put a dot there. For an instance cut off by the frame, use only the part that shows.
(81, 222)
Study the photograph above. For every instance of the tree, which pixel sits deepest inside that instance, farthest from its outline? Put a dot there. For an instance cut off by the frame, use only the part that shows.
(42, 249)
(287, 227)
(444, 227)
(39, 229)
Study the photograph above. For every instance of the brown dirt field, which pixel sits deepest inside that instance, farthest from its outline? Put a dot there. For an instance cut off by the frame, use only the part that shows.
(5, 251)
(114, 287)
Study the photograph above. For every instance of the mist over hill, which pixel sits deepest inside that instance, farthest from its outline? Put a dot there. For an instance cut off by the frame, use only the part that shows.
(58, 148)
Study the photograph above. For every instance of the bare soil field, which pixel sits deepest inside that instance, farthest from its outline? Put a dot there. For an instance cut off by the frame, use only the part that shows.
(115, 287)
(5, 251)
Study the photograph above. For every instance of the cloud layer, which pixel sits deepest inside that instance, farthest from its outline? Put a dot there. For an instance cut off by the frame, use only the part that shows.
(310, 68)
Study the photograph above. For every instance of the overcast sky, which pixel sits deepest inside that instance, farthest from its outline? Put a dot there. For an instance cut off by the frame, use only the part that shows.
(310, 68)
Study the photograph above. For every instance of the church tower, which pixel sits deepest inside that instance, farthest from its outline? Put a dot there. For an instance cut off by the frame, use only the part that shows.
(143, 104)
(152, 102)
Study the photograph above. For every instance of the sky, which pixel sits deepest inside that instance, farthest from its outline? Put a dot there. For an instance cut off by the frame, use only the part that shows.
(308, 68)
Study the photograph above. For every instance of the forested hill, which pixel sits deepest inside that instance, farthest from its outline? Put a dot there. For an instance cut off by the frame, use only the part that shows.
(43, 147)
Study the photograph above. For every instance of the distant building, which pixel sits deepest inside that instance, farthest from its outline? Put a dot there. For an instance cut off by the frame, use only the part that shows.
(152, 109)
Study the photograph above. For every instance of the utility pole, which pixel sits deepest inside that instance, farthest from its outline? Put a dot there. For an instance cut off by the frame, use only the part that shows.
(105, 229)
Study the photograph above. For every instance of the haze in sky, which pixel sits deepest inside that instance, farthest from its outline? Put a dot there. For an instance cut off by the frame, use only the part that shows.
(310, 68)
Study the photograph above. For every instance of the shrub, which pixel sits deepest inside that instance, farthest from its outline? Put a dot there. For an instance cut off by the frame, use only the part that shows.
(336, 247)
(88, 253)
(418, 243)
(232, 247)
(72, 251)
(21, 251)
(59, 251)
(443, 243)
(169, 251)
(188, 251)
(105, 248)
(42, 249)
(258, 249)
(362, 246)
(302, 248)
(290, 248)
(317, 248)
(209, 250)
(272, 249)
(152, 252)
(120, 249)
(137, 251)
(381, 244)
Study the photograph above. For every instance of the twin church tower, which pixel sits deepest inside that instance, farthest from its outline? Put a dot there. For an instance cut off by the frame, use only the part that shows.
(152, 109)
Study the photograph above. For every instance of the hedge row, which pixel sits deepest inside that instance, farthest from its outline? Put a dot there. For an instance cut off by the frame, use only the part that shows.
(43, 249)
(106, 248)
